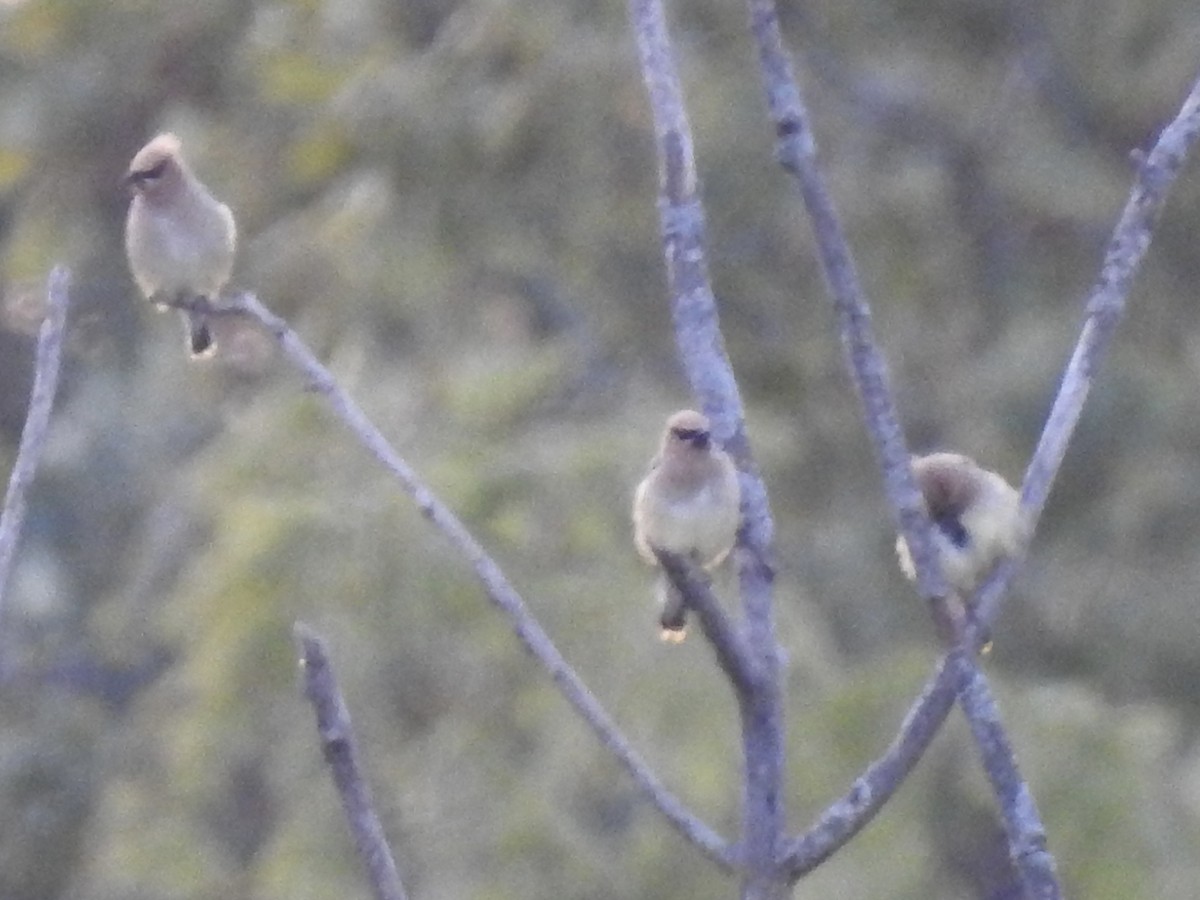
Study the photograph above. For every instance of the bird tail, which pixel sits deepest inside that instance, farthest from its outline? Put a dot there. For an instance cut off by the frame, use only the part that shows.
(673, 617)
(201, 343)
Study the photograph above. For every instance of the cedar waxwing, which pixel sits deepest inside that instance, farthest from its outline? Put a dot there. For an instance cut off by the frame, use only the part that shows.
(689, 504)
(179, 238)
(975, 516)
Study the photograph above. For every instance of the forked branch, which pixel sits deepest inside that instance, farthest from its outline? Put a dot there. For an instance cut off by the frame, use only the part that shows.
(1105, 307)
(797, 153)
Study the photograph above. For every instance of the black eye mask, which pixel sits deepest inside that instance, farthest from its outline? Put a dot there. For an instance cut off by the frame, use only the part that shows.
(144, 175)
(695, 436)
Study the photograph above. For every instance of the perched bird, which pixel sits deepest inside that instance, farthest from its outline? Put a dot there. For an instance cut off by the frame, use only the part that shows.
(687, 504)
(975, 517)
(179, 238)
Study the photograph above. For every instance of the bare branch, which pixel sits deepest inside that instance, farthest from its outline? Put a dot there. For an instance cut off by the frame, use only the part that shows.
(702, 352)
(797, 153)
(733, 654)
(341, 752)
(957, 676)
(497, 588)
(1022, 824)
(698, 336)
(848, 815)
(1106, 304)
(37, 420)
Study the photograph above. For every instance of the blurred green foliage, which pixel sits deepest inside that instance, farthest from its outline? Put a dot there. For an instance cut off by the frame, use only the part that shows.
(454, 202)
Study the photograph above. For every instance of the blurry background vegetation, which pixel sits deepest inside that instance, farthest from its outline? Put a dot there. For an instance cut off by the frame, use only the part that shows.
(453, 201)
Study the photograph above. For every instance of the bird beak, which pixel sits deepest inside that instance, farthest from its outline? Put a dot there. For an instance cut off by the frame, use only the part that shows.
(700, 440)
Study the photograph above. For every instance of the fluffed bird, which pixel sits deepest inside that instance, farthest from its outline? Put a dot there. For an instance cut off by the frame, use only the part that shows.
(688, 504)
(975, 516)
(179, 238)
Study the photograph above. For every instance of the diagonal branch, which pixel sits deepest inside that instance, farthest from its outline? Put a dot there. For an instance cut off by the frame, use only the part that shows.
(849, 814)
(796, 150)
(37, 420)
(1106, 305)
(497, 588)
(341, 752)
(957, 676)
(1022, 825)
(1127, 247)
(733, 653)
(797, 153)
(702, 352)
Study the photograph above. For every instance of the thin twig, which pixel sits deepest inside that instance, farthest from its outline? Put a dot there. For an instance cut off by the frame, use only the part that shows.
(341, 752)
(37, 420)
(1127, 247)
(702, 352)
(497, 588)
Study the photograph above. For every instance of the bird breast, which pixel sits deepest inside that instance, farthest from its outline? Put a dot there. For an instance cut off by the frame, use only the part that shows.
(697, 523)
(182, 251)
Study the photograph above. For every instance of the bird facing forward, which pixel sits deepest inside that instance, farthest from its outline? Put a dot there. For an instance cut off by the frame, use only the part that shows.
(179, 238)
(975, 515)
(687, 504)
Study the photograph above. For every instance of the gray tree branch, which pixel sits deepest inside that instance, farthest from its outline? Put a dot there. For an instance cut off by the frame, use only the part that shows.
(497, 588)
(702, 352)
(1106, 302)
(797, 153)
(732, 651)
(37, 420)
(849, 814)
(1022, 825)
(341, 752)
